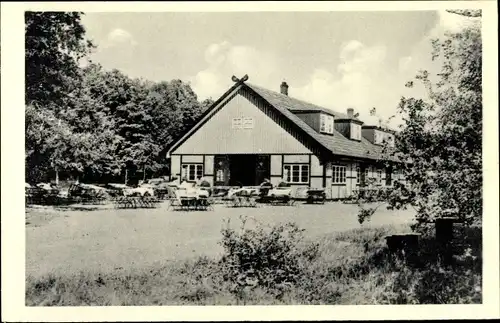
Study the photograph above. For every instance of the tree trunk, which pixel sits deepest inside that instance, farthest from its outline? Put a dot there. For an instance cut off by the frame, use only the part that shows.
(57, 176)
(144, 173)
(126, 175)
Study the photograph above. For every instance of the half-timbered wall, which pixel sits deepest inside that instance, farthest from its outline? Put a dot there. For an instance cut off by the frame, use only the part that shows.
(175, 166)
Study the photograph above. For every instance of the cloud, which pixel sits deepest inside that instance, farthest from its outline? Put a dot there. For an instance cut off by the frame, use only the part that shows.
(360, 81)
(120, 36)
(420, 57)
(225, 59)
(363, 77)
(404, 63)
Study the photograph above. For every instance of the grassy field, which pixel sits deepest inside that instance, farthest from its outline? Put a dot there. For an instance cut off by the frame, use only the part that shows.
(161, 257)
(108, 240)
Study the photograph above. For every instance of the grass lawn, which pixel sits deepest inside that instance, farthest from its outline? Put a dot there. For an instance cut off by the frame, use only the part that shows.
(105, 240)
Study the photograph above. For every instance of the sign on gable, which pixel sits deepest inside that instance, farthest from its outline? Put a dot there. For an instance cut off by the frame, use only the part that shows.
(243, 123)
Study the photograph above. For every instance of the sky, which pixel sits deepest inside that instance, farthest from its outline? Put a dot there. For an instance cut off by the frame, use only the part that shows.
(334, 59)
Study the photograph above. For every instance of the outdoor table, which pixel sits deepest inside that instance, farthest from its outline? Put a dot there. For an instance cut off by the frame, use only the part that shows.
(282, 200)
(191, 202)
(134, 202)
(188, 202)
(243, 201)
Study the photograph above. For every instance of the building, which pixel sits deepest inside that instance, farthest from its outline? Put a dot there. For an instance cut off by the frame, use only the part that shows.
(251, 133)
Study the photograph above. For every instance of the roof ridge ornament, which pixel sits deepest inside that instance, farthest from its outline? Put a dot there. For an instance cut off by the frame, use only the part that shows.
(243, 79)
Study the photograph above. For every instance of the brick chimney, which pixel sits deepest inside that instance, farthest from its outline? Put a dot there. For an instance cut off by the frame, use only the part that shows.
(284, 88)
(350, 113)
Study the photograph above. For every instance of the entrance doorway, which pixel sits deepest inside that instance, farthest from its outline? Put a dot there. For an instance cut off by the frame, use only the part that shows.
(241, 170)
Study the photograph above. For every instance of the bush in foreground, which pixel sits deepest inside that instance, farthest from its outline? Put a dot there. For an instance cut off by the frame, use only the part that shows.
(274, 259)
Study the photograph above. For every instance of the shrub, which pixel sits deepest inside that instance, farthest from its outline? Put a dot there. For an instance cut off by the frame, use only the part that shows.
(273, 258)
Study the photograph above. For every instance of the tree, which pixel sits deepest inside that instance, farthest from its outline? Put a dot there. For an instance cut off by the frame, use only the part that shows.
(54, 43)
(440, 142)
(174, 108)
(91, 122)
(47, 139)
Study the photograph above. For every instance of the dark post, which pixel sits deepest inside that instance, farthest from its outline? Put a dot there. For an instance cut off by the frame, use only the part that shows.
(444, 236)
(444, 229)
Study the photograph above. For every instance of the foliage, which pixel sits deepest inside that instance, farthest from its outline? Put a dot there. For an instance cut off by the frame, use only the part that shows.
(272, 258)
(147, 116)
(47, 139)
(54, 43)
(90, 122)
(440, 142)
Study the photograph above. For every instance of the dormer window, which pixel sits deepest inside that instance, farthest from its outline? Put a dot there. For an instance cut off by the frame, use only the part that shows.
(378, 136)
(390, 140)
(382, 138)
(326, 123)
(355, 132)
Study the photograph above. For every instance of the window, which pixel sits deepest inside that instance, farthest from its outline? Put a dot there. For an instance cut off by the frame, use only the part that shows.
(296, 173)
(382, 138)
(379, 176)
(398, 175)
(326, 123)
(322, 123)
(388, 176)
(376, 137)
(355, 131)
(219, 175)
(390, 140)
(192, 172)
(243, 123)
(358, 175)
(248, 123)
(339, 174)
(329, 124)
(237, 123)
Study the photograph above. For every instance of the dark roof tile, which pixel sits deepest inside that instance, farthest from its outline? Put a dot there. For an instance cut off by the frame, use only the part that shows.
(292, 104)
(337, 144)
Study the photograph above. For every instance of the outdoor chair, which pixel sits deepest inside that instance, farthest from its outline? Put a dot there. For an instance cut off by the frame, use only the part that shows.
(204, 204)
(316, 195)
(135, 202)
(190, 200)
(244, 197)
(351, 199)
(243, 201)
(279, 196)
(41, 196)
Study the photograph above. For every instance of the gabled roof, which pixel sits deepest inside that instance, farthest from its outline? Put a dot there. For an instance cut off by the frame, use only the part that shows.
(287, 107)
(336, 144)
(292, 104)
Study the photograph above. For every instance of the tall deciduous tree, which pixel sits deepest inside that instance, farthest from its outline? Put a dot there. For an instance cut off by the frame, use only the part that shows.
(440, 141)
(54, 43)
(92, 122)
